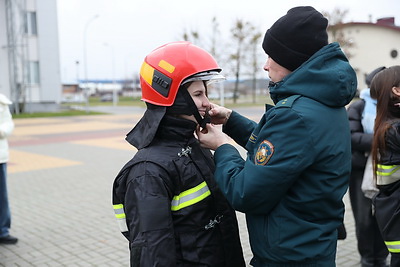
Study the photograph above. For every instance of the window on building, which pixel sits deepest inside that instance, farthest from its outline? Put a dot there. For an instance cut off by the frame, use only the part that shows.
(30, 23)
(393, 53)
(32, 72)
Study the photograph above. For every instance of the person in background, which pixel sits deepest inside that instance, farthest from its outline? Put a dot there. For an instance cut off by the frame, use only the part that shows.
(6, 128)
(292, 183)
(362, 114)
(385, 88)
(166, 199)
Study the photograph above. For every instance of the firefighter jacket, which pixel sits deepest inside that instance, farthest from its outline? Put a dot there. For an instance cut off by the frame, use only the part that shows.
(387, 201)
(169, 206)
(298, 164)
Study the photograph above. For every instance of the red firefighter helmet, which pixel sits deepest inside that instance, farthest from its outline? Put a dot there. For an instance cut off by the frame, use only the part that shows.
(166, 67)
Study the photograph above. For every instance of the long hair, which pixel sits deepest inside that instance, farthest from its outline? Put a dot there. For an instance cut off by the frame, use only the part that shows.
(387, 108)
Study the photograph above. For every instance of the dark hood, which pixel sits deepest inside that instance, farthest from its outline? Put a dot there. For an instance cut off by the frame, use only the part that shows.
(175, 128)
(145, 130)
(326, 77)
(156, 124)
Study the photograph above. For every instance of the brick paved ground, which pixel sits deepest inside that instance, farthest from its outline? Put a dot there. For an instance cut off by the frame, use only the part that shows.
(60, 178)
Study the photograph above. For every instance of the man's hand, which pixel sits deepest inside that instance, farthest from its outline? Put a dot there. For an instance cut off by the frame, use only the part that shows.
(212, 137)
(219, 114)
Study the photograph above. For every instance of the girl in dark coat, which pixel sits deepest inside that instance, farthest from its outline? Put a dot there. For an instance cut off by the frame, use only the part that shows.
(369, 240)
(385, 87)
(361, 114)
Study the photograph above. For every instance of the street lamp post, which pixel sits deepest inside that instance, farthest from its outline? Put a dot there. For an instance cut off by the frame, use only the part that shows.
(77, 74)
(221, 93)
(115, 96)
(85, 59)
(78, 92)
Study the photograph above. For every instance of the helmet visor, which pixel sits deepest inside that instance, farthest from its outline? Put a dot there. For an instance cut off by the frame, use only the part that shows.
(208, 76)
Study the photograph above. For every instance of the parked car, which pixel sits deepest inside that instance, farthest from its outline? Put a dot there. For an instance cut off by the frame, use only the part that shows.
(106, 98)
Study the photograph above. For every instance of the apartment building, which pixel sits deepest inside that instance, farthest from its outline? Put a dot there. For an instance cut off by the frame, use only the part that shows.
(369, 45)
(29, 54)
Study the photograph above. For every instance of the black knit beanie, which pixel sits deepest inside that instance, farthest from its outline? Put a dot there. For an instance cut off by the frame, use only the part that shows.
(296, 36)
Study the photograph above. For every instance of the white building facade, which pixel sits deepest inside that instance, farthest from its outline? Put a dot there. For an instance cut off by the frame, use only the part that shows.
(369, 45)
(29, 54)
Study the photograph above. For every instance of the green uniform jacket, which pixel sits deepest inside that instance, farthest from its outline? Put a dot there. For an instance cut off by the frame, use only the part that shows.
(298, 164)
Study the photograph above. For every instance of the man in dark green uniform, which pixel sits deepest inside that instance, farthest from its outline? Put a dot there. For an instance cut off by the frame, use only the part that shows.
(298, 164)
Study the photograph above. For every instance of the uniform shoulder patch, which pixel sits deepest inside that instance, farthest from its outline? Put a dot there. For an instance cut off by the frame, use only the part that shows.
(253, 138)
(287, 102)
(264, 153)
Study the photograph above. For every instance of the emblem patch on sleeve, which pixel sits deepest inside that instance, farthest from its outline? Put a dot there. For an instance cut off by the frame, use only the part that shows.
(264, 153)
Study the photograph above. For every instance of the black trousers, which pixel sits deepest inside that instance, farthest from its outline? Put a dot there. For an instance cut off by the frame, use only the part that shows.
(395, 261)
(369, 239)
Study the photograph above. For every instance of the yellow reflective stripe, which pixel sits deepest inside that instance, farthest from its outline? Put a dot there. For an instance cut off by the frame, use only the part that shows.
(121, 218)
(190, 197)
(166, 66)
(387, 174)
(386, 170)
(147, 72)
(118, 206)
(119, 211)
(393, 246)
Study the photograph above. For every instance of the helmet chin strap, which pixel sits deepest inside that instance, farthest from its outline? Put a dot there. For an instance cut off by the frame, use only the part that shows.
(184, 105)
(194, 111)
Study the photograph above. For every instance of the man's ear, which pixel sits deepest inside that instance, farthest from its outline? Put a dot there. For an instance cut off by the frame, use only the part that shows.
(396, 90)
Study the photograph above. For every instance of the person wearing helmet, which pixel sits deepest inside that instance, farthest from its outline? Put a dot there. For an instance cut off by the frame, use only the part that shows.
(165, 198)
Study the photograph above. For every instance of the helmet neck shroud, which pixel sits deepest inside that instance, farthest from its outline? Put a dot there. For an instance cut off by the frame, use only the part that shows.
(145, 130)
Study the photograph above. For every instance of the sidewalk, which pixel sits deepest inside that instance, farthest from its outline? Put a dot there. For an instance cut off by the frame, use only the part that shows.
(60, 178)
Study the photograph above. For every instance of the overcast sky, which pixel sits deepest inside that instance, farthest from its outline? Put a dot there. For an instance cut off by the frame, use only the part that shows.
(125, 31)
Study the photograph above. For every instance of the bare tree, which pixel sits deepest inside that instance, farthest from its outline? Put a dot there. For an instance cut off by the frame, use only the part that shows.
(336, 16)
(240, 33)
(214, 37)
(192, 36)
(336, 23)
(254, 43)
